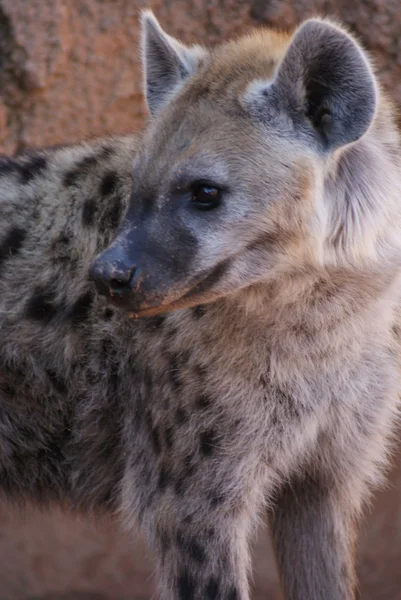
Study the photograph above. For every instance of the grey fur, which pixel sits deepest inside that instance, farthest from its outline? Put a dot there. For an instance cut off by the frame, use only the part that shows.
(326, 86)
(167, 63)
(276, 382)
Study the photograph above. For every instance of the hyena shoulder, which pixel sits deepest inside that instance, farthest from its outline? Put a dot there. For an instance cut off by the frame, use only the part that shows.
(58, 206)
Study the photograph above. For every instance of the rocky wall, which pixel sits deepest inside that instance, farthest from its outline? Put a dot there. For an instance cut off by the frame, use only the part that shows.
(69, 69)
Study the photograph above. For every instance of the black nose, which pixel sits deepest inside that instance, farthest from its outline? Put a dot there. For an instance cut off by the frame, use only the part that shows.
(113, 277)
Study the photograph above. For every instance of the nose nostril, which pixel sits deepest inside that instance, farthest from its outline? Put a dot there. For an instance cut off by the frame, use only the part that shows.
(120, 281)
(117, 283)
(112, 277)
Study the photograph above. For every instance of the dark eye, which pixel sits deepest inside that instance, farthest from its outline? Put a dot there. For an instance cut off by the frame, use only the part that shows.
(205, 197)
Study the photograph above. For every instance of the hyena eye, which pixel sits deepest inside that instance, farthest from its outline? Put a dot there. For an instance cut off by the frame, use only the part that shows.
(205, 197)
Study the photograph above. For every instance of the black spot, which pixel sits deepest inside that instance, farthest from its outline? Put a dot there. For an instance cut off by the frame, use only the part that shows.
(186, 586)
(164, 539)
(113, 380)
(111, 217)
(171, 333)
(203, 401)
(208, 442)
(148, 381)
(232, 594)
(70, 177)
(92, 377)
(50, 452)
(191, 547)
(114, 213)
(175, 372)
(149, 420)
(210, 278)
(200, 371)
(7, 166)
(169, 436)
(156, 440)
(199, 311)
(196, 551)
(302, 329)
(180, 540)
(216, 498)
(12, 243)
(236, 423)
(184, 357)
(80, 310)
(87, 162)
(139, 408)
(166, 399)
(154, 323)
(164, 479)
(282, 397)
(41, 306)
(181, 416)
(396, 331)
(29, 169)
(8, 389)
(181, 484)
(268, 239)
(189, 464)
(58, 382)
(88, 212)
(63, 240)
(108, 184)
(213, 589)
(107, 152)
(188, 519)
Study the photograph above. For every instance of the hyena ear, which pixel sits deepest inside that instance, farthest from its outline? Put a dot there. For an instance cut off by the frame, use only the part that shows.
(166, 63)
(326, 85)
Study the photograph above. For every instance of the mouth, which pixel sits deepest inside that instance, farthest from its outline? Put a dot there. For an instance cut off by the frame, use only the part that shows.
(200, 291)
(179, 304)
(185, 301)
(157, 310)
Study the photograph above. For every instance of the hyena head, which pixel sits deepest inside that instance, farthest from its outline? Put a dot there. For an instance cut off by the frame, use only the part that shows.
(227, 185)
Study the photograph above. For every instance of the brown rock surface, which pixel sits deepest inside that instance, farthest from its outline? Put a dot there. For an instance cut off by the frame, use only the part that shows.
(69, 70)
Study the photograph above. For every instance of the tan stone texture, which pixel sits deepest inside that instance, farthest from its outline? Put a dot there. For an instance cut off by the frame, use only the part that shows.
(69, 69)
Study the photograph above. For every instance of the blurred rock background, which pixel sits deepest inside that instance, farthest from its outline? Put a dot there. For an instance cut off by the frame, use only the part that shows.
(69, 69)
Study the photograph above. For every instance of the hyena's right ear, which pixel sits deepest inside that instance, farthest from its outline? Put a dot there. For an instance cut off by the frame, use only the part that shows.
(325, 84)
(166, 63)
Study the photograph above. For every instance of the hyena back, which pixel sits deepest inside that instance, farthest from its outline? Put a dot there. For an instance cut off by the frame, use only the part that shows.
(203, 322)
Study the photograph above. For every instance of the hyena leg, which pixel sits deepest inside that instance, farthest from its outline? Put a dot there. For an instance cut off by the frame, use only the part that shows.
(208, 561)
(314, 534)
(199, 525)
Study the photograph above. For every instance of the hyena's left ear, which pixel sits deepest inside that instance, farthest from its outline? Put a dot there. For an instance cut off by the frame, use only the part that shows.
(166, 63)
(325, 84)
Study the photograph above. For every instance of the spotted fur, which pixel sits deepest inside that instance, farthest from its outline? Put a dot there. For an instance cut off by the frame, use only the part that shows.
(264, 366)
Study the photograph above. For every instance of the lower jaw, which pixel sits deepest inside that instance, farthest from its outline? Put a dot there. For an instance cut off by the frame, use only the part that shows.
(178, 304)
(185, 301)
(156, 310)
(149, 311)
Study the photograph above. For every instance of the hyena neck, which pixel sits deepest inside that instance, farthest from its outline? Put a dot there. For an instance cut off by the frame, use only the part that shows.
(350, 290)
(319, 313)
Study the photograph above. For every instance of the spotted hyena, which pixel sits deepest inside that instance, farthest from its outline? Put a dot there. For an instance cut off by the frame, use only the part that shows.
(203, 322)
